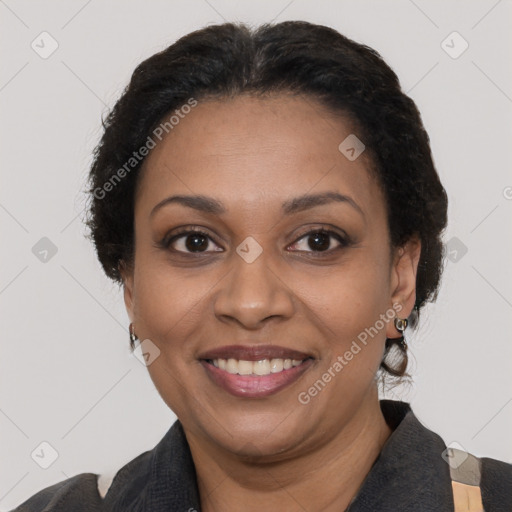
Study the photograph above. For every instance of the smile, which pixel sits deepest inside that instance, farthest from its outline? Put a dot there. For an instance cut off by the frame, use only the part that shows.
(255, 368)
(254, 371)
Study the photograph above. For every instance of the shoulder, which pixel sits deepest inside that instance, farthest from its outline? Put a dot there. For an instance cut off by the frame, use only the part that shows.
(496, 484)
(90, 492)
(77, 493)
(162, 478)
(420, 455)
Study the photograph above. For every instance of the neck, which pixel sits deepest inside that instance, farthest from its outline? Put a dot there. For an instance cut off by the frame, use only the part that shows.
(302, 482)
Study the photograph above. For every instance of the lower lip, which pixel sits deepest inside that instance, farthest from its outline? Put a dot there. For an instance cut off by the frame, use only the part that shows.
(255, 386)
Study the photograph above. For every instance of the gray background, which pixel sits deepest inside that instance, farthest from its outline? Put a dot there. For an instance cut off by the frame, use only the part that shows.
(67, 375)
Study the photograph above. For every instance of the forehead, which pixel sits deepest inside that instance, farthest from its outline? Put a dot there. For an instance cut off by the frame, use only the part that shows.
(247, 151)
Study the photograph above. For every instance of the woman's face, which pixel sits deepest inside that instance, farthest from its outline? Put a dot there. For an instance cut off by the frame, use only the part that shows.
(292, 262)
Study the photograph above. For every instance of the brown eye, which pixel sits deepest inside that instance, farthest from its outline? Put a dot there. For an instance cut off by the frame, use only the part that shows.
(192, 242)
(319, 241)
(196, 242)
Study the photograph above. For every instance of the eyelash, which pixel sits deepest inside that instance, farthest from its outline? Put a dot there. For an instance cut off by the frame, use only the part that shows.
(166, 242)
(183, 233)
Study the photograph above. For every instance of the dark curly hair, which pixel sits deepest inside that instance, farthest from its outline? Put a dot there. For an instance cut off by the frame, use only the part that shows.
(295, 57)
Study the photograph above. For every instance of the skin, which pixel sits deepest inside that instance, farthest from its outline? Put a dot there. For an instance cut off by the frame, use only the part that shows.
(252, 155)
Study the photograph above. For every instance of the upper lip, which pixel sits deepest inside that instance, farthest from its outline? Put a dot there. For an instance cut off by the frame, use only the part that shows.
(253, 353)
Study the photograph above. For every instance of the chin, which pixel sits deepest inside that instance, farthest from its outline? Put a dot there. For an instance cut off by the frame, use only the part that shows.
(257, 435)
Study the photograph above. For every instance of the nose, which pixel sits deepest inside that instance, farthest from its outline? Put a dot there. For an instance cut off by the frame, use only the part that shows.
(252, 294)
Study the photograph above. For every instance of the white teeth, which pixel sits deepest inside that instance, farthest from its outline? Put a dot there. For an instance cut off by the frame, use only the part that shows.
(262, 367)
(245, 367)
(276, 365)
(232, 366)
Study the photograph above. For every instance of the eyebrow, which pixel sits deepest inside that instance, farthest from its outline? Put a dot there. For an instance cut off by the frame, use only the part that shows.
(201, 203)
(307, 201)
(213, 206)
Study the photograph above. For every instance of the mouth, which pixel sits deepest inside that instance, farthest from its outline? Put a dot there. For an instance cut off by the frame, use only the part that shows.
(255, 372)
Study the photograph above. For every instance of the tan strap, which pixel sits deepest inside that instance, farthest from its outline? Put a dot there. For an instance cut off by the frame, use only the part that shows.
(465, 472)
(467, 498)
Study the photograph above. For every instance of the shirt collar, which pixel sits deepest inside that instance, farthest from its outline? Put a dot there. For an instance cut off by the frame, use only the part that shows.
(409, 473)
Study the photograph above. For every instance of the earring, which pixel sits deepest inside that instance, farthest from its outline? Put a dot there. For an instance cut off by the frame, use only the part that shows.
(400, 326)
(133, 336)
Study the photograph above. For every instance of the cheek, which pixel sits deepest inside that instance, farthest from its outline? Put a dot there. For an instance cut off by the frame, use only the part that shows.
(350, 294)
(174, 304)
(347, 306)
(170, 304)
(169, 308)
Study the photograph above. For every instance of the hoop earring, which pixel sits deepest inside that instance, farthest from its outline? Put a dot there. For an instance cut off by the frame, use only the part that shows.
(133, 336)
(400, 326)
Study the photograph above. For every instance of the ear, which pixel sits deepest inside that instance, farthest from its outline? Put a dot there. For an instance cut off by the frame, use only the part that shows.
(403, 281)
(127, 277)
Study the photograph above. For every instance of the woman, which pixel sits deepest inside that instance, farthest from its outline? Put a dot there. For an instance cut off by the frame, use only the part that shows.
(269, 203)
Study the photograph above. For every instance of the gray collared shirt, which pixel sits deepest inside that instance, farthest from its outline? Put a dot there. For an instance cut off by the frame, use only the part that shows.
(410, 474)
